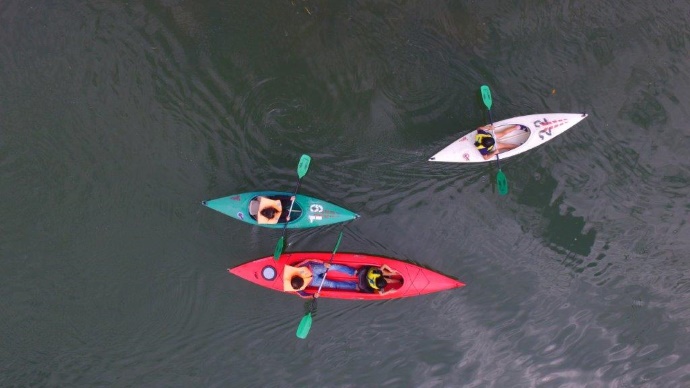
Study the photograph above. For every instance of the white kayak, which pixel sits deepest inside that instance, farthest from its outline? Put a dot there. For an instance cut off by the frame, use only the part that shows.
(535, 131)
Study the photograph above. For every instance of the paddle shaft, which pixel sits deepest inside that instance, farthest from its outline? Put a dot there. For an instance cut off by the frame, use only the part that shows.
(292, 203)
(302, 169)
(329, 265)
(305, 323)
(501, 180)
(491, 120)
(281, 241)
(324, 275)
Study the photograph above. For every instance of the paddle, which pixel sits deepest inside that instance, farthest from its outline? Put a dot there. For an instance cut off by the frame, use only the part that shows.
(305, 323)
(302, 169)
(501, 180)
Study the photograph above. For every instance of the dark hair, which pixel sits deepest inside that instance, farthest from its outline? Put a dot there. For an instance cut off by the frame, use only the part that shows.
(296, 282)
(381, 283)
(268, 212)
(488, 141)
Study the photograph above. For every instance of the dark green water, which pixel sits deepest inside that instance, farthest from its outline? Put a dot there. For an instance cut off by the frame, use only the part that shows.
(118, 118)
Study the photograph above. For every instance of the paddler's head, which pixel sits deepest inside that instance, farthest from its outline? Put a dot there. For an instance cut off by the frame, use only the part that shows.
(488, 141)
(268, 212)
(296, 282)
(381, 283)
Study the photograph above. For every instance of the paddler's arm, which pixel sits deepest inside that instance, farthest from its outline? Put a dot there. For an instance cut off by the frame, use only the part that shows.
(388, 270)
(306, 262)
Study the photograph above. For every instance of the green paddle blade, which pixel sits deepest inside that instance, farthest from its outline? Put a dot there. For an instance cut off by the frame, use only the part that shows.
(338, 243)
(486, 96)
(502, 183)
(304, 326)
(303, 165)
(279, 248)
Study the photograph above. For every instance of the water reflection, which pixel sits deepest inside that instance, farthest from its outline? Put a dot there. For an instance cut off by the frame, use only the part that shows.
(561, 229)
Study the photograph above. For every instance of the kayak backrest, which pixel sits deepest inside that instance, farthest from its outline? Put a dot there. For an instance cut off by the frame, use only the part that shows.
(254, 207)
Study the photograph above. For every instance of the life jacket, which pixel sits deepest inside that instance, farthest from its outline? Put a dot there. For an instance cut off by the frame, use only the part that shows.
(289, 272)
(372, 274)
(265, 203)
(478, 141)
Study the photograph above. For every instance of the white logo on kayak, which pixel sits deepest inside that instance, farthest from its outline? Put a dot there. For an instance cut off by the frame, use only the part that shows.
(316, 208)
(315, 218)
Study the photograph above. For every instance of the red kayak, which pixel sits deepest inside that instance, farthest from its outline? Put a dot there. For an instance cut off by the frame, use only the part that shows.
(412, 280)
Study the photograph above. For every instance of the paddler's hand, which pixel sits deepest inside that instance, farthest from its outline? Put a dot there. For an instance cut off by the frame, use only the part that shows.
(490, 156)
(316, 295)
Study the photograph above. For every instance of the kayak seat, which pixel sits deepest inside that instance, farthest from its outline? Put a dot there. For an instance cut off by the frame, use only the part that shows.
(253, 207)
(285, 201)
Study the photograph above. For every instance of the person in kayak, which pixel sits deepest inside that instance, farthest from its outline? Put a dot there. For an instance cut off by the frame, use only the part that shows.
(375, 279)
(312, 273)
(486, 143)
(269, 211)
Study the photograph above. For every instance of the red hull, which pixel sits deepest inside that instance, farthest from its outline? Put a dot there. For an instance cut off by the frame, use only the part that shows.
(417, 280)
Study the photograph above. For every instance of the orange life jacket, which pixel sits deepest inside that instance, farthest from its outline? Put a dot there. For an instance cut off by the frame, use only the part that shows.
(289, 272)
(265, 203)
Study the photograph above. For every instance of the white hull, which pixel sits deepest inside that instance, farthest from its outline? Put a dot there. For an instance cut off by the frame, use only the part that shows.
(539, 129)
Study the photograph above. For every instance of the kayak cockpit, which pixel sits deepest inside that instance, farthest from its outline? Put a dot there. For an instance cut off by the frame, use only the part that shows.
(515, 138)
(394, 283)
(284, 205)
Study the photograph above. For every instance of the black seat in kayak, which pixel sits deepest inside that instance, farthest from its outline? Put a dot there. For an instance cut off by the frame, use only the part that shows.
(285, 201)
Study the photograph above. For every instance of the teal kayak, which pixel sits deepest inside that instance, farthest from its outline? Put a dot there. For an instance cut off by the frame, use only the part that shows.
(307, 212)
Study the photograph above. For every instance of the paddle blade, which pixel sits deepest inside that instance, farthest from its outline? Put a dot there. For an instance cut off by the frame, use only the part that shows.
(279, 248)
(303, 165)
(304, 326)
(502, 183)
(486, 96)
(338, 243)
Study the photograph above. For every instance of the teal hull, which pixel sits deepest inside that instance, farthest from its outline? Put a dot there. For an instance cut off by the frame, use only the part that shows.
(308, 212)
